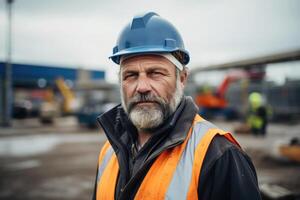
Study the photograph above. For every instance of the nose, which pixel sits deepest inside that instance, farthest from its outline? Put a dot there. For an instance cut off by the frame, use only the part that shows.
(143, 85)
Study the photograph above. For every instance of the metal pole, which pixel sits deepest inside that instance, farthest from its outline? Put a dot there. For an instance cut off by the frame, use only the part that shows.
(7, 100)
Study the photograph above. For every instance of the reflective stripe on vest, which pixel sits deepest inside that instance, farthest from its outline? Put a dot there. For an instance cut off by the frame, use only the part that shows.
(104, 162)
(181, 179)
(175, 173)
(108, 169)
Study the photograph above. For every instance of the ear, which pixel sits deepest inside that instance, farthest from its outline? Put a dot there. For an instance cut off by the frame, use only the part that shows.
(183, 77)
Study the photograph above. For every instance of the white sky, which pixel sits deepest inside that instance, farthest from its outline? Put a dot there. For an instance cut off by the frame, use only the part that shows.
(81, 33)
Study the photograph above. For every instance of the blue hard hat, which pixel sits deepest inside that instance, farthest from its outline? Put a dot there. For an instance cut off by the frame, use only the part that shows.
(149, 33)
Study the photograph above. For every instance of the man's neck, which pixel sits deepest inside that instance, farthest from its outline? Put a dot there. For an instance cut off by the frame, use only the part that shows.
(143, 137)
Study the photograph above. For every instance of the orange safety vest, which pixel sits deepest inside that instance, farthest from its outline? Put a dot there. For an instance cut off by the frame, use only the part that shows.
(173, 175)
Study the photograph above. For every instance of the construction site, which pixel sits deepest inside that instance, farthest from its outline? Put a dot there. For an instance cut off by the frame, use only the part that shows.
(50, 138)
(51, 152)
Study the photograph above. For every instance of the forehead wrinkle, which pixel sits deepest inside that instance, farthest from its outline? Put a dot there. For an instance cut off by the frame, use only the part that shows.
(153, 64)
(144, 58)
(138, 67)
(146, 65)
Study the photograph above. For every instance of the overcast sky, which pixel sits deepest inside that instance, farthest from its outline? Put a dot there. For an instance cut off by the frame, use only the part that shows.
(81, 33)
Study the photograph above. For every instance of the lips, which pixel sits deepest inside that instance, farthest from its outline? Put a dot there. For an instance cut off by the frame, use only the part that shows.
(145, 103)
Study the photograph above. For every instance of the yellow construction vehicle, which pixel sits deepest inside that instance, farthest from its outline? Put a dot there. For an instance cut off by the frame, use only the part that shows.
(68, 95)
(51, 108)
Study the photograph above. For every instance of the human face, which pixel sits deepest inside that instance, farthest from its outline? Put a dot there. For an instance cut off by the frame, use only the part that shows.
(150, 89)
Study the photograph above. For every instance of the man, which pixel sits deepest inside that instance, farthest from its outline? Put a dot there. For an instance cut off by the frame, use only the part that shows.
(158, 146)
(257, 117)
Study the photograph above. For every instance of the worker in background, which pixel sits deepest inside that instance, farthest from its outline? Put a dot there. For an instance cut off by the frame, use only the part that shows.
(257, 117)
(158, 146)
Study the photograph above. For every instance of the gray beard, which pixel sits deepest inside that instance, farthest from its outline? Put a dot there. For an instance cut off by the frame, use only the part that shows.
(150, 117)
(147, 118)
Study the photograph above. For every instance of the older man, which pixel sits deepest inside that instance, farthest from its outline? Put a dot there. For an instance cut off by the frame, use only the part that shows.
(158, 146)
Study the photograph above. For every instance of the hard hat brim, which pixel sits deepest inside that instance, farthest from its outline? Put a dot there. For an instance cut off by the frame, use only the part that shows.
(148, 50)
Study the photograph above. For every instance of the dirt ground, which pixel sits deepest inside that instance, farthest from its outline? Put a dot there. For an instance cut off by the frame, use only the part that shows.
(276, 172)
(60, 163)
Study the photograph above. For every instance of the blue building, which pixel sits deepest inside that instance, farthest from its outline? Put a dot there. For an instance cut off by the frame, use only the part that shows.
(36, 76)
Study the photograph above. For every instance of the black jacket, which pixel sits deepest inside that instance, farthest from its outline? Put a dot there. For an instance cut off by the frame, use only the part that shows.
(227, 172)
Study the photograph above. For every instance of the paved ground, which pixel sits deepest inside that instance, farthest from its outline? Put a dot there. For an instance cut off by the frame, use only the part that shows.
(51, 162)
(58, 162)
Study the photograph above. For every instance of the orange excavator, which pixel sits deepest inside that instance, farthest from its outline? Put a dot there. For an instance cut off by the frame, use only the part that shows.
(214, 102)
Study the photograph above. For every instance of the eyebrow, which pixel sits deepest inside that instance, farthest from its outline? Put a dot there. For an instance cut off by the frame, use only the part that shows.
(150, 69)
(129, 71)
(156, 68)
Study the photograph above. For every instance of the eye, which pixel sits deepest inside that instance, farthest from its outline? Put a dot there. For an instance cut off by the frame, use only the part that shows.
(130, 75)
(155, 74)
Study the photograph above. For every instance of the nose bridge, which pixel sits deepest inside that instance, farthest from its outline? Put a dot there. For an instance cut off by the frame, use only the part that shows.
(143, 84)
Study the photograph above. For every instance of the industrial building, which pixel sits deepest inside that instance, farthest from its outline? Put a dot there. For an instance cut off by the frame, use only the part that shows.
(31, 85)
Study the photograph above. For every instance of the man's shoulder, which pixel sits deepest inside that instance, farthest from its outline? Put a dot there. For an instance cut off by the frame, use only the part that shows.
(221, 144)
(216, 150)
(227, 166)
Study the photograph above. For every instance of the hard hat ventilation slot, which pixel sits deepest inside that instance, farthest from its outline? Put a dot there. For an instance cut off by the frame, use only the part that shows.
(170, 43)
(137, 23)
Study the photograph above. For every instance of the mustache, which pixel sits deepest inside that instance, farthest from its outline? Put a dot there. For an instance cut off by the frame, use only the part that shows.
(138, 98)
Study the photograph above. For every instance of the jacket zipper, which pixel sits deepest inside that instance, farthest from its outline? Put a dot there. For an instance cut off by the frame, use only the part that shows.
(131, 180)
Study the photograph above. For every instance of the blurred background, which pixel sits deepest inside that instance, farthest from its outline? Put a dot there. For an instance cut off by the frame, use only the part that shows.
(56, 78)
